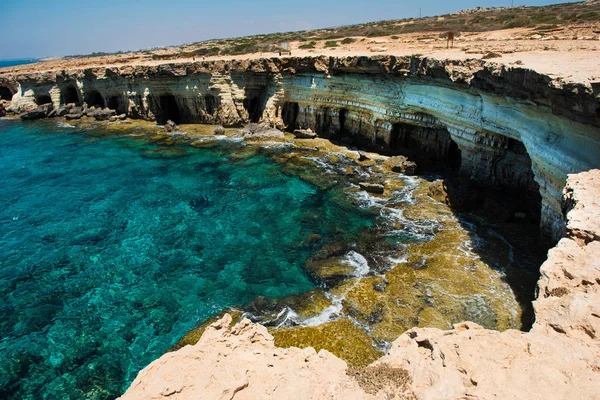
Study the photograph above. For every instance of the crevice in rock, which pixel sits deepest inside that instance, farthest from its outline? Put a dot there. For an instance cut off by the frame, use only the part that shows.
(70, 95)
(94, 99)
(5, 93)
(343, 116)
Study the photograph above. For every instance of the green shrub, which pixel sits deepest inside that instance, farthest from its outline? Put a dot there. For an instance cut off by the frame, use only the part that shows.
(331, 43)
(348, 41)
(394, 37)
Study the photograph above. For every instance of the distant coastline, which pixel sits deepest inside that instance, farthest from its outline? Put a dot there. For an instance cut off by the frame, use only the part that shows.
(19, 61)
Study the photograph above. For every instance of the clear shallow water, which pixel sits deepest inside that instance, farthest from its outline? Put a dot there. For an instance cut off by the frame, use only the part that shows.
(111, 249)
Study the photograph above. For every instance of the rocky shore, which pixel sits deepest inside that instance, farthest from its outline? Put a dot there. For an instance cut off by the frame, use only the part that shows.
(558, 359)
(499, 129)
(504, 128)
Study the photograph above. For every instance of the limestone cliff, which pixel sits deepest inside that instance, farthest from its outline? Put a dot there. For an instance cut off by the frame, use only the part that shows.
(558, 359)
(506, 128)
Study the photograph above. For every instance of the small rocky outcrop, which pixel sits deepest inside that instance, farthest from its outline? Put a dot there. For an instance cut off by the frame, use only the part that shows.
(304, 134)
(171, 126)
(376, 188)
(39, 113)
(256, 132)
(104, 114)
(219, 130)
(400, 164)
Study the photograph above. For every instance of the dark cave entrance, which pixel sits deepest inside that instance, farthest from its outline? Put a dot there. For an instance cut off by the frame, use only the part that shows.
(255, 103)
(289, 115)
(167, 109)
(114, 103)
(431, 148)
(43, 99)
(5, 93)
(70, 95)
(324, 123)
(94, 99)
(343, 116)
(210, 104)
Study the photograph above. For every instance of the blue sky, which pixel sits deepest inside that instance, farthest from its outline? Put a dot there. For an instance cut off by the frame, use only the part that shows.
(42, 28)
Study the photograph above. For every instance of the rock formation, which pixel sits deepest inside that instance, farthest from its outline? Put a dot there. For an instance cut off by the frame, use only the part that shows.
(558, 359)
(505, 128)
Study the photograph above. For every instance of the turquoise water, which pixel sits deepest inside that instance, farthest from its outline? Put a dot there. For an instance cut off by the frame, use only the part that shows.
(112, 248)
(12, 63)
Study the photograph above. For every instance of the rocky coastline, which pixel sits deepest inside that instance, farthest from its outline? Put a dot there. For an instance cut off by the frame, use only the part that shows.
(500, 129)
(507, 129)
(558, 358)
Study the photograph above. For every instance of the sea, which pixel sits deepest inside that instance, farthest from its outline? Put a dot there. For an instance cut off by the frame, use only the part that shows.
(112, 248)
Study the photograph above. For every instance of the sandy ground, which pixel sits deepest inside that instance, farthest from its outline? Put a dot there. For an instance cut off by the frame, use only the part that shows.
(570, 53)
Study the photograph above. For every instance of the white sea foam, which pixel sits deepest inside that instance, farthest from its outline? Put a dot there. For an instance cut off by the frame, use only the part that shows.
(64, 125)
(358, 261)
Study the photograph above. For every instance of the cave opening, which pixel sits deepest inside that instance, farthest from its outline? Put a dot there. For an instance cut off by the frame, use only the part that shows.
(5, 93)
(94, 99)
(70, 95)
(255, 103)
(43, 99)
(210, 104)
(289, 115)
(166, 109)
(114, 104)
(431, 148)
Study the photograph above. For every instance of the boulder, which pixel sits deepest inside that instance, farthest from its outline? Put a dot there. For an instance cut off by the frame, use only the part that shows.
(120, 117)
(261, 132)
(171, 126)
(219, 130)
(437, 191)
(74, 115)
(2, 110)
(62, 111)
(401, 165)
(304, 134)
(372, 187)
(40, 112)
(103, 115)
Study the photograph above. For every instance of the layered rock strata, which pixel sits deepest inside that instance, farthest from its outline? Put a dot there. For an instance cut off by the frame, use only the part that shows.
(558, 359)
(506, 128)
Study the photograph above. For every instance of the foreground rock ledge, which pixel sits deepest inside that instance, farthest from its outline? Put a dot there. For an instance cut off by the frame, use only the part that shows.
(558, 359)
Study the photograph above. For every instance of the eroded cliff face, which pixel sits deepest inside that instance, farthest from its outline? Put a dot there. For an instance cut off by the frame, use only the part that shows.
(558, 359)
(505, 129)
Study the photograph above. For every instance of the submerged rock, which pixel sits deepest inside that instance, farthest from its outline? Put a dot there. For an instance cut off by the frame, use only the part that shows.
(372, 187)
